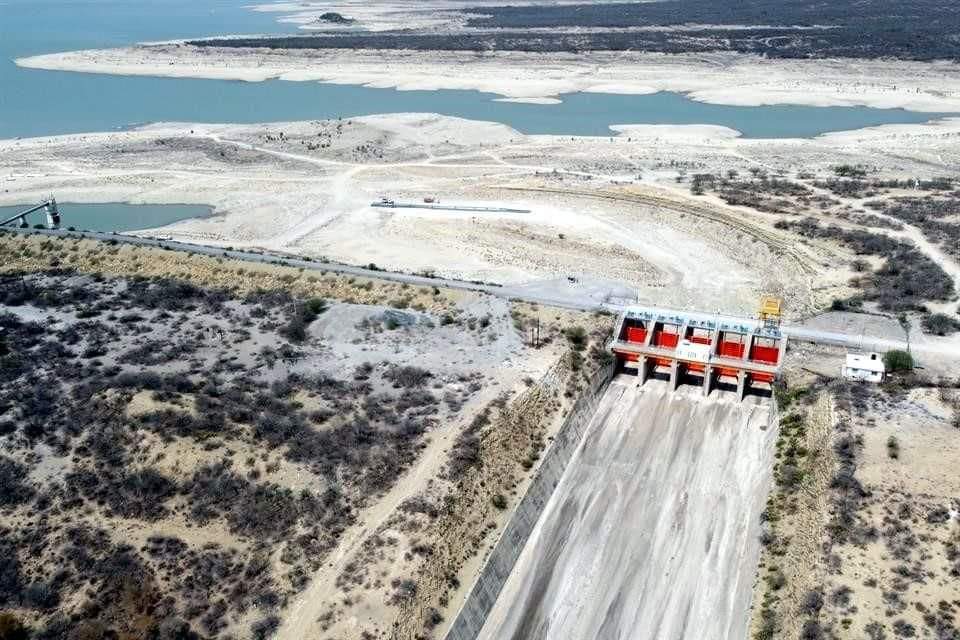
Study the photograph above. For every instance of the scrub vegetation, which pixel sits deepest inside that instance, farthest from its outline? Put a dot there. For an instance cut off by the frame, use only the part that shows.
(180, 459)
(166, 469)
(906, 279)
(870, 216)
(916, 30)
(858, 540)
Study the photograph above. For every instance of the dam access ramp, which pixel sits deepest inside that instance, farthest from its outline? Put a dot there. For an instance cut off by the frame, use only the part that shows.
(653, 530)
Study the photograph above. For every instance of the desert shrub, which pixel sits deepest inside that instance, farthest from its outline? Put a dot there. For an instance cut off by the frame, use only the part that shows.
(897, 360)
(902, 283)
(812, 602)
(407, 376)
(699, 181)
(278, 428)
(601, 356)
(465, 452)
(419, 504)
(417, 398)
(174, 628)
(499, 501)
(363, 371)
(790, 477)
(264, 628)
(786, 396)
(903, 629)
(379, 406)
(893, 447)
(139, 494)
(266, 511)
(940, 324)
(263, 511)
(938, 515)
(933, 216)
(769, 624)
(10, 579)
(875, 631)
(171, 295)
(216, 569)
(577, 337)
(762, 193)
(212, 489)
(841, 596)
(848, 493)
(156, 352)
(433, 618)
(210, 422)
(40, 595)
(850, 171)
(296, 328)
(212, 621)
(13, 490)
(11, 628)
(812, 630)
(315, 306)
(853, 303)
(846, 481)
(403, 590)
(849, 188)
(776, 579)
(300, 318)
(142, 494)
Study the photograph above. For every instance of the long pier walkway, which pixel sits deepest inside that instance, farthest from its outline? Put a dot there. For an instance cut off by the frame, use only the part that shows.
(445, 207)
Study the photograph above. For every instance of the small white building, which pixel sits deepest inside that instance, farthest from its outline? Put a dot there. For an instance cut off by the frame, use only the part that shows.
(695, 351)
(867, 367)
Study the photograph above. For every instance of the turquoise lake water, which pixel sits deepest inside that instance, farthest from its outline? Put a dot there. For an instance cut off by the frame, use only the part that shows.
(34, 102)
(113, 216)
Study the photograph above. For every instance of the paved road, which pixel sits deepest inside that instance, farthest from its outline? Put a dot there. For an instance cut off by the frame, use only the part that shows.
(579, 297)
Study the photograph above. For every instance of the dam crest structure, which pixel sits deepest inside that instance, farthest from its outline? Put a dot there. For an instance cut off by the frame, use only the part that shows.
(711, 350)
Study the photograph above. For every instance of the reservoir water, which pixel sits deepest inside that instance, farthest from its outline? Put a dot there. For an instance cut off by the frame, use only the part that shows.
(35, 103)
(114, 216)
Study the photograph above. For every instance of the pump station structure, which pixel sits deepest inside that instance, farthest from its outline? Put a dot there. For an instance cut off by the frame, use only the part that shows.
(705, 349)
(53, 215)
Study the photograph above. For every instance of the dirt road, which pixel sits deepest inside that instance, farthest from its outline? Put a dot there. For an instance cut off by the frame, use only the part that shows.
(653, 531)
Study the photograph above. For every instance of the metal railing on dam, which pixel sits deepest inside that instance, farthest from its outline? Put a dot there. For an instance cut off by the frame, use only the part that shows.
(503, 556)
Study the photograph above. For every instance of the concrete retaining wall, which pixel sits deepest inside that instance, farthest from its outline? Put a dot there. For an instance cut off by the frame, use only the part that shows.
(499, 564)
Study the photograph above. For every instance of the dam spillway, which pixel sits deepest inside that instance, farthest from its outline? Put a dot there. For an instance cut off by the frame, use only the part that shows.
(747, 352)
(652, 532)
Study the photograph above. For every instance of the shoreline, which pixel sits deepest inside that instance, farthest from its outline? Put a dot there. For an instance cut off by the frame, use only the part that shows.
(723, 79)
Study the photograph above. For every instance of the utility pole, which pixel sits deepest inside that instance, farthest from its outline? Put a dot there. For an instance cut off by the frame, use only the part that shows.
(905, 325)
